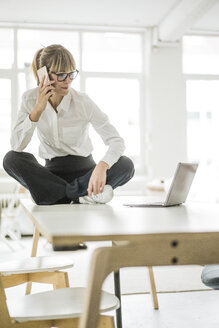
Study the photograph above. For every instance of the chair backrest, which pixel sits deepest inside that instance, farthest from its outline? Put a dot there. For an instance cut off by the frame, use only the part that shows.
(104, 261)
(42, 269)
(35, 264)
(155, 250)
(29, 314)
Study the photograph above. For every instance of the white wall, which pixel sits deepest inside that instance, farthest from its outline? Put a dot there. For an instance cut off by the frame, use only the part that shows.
(166, 111)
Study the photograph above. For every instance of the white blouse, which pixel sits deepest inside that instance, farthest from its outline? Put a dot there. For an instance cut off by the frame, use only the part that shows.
(66, 132)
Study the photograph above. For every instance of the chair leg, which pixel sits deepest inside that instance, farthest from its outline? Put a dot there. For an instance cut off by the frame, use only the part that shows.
(62, 280)
(36, 236)
(5, 320)
(153, 288)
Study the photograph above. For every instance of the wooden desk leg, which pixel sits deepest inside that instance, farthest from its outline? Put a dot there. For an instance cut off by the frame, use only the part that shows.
(153, 288)
(36, 236)
(118, 294)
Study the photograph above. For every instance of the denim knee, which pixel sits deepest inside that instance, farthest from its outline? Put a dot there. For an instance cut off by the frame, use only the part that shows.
(8, 159)
(121, 172)
(127, 166)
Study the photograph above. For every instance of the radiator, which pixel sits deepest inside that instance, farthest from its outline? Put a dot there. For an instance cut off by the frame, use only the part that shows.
(6, 199)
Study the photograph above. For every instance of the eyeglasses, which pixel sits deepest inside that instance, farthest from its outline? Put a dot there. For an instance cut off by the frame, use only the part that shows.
(63, 76)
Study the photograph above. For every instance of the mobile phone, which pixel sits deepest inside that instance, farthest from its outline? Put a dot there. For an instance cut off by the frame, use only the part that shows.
(41, 73)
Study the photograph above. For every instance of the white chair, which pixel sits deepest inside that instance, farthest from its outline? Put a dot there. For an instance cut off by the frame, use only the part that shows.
(58, 308)
(43, 269)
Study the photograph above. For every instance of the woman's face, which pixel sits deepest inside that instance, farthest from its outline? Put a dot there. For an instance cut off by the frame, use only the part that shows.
(61, 87)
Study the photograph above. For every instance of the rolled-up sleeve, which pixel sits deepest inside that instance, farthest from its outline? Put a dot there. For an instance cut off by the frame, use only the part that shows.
(24, 128)
(108, 133)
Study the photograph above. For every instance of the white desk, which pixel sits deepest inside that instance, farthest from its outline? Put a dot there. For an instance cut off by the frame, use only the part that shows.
(187, 234)
(68, 224)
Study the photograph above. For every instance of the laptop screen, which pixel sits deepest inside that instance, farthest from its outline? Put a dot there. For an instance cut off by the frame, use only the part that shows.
(181, 183)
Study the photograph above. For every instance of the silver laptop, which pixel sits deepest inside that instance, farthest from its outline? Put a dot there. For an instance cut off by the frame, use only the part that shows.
(179, 187)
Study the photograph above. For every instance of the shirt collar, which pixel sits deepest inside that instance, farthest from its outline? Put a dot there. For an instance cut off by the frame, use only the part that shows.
(64, 104)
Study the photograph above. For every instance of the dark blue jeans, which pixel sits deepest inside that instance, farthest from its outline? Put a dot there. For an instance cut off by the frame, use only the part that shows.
(62, 179)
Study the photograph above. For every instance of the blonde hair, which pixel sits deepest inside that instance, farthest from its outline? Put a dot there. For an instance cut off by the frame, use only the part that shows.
(55, 57)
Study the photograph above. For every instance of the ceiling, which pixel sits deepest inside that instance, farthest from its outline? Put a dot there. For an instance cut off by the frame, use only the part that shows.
(184, 15)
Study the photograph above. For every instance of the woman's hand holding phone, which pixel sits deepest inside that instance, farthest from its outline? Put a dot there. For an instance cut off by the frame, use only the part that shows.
(45, 91)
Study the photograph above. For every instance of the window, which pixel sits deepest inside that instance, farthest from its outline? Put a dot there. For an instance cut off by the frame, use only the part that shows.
(112, 68)
(6, 47)
(201, 68)
(111, 72)
(5, 105)
(203, 119)
(29, 41)
(201, 65)
(112, 52)
(201, 55)
(122, 107)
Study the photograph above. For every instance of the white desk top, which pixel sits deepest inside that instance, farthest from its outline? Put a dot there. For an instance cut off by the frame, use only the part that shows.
(65, 224)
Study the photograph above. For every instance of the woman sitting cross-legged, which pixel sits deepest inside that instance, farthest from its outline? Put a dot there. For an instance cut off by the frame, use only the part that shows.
(62, 117)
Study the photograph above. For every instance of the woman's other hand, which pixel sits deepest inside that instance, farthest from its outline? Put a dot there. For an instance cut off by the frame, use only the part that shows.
(98, 179)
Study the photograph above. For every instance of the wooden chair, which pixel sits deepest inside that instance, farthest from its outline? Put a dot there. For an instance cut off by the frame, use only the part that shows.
(110, 259)
(152, 250)
(42, 269)
(56, 263)
(57, 308)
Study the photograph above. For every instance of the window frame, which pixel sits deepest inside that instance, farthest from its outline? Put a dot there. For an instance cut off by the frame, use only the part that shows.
(199, 77)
